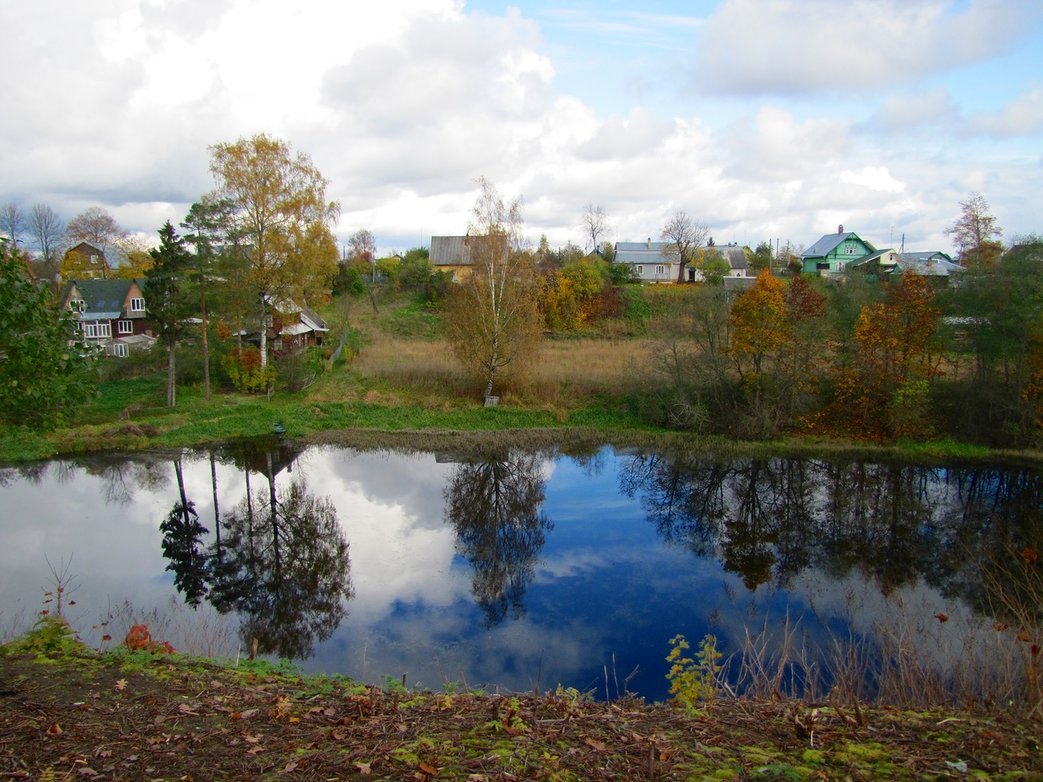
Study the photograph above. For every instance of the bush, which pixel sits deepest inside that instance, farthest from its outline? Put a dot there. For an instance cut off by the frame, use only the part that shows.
(246, 373)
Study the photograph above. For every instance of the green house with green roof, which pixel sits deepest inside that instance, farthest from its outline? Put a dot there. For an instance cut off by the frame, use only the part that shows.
(833, 252)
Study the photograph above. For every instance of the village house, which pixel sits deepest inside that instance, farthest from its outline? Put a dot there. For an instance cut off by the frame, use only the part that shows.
(451, 254)
(834, 252)
(657, 262)
(291, 327)
(110, 313)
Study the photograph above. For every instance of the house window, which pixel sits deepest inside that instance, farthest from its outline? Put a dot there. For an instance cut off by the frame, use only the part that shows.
(79, 305)
(120, 349)
(850, 249)
(125, 327)
(660, 271)
(137, 305)
(640, 271)
(97, 330)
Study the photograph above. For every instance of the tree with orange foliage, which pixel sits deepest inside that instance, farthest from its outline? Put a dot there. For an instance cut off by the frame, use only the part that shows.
(886, 389)
(760, 334)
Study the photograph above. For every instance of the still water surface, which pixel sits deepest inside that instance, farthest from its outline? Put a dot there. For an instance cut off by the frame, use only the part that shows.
(506, 569)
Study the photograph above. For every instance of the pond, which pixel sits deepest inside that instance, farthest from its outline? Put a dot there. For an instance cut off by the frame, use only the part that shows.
(508, 568)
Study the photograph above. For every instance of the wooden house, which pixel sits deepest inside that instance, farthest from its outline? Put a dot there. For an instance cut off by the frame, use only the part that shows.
(110, 313)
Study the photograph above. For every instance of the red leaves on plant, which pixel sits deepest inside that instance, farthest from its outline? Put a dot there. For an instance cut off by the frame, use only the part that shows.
(138, 637)
(1030, 555)
(941, 617)
(431, 771)
(1034, 649)
(106, 637)
(1024, 636)
(54, 729)
(999, 627)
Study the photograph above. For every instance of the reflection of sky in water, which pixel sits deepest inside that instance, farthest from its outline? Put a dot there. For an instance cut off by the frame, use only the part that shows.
(605, 586)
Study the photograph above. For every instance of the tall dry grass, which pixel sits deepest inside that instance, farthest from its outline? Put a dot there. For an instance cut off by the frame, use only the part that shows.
(562, 372)
(958, 659)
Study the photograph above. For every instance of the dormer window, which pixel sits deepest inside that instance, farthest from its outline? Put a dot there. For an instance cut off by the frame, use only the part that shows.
(137, 305)
(78, 305)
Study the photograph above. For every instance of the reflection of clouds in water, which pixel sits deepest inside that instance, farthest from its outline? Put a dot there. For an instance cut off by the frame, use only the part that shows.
(451, 645)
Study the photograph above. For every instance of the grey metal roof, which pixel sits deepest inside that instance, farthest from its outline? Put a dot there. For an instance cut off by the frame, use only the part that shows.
(642, 252)
(449, 251)
(929, 255)
(929, 264)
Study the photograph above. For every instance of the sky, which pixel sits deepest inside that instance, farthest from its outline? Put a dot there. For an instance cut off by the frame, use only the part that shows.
(764, 120)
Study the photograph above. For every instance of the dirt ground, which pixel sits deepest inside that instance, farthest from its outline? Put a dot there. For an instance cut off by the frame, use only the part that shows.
(143, 716)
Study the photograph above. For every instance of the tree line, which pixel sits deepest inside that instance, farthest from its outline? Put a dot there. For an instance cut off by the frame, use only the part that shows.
(875, 357)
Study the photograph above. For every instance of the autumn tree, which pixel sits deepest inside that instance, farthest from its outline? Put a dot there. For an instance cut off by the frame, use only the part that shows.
(95, 226)
(46, 370)
(760, 331)
(976, 234)
(362, 247)
(596, 224)
(683, 236)
(492, 320)
(885, 391)
(281, 211)
(166, 297)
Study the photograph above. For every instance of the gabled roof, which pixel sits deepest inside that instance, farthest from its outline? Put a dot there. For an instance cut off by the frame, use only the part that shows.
(102, 299)
(642, 252)
(449, 251)
(732, 253)
(830, 242)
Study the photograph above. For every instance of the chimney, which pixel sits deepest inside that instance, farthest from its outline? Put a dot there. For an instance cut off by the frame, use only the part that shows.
(648, 242)
(840, 228)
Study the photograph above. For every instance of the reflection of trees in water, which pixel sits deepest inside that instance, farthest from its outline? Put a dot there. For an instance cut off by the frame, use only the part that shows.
(285, 567)
(770, 519)
(281, 563)
(494, 508)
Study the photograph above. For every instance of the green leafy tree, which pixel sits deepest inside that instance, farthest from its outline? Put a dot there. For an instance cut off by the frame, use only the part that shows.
(167, 298)
(46, 370)
(216, 258)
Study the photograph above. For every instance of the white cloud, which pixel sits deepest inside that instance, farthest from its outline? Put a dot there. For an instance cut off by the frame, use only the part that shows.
(1023, 116)
(800, 46)
(934, 111)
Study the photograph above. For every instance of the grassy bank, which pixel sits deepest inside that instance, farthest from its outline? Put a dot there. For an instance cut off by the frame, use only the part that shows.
(69, 712)
(401, 380)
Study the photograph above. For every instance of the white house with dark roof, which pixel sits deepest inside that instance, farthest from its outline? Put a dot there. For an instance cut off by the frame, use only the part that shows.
(649, 261)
